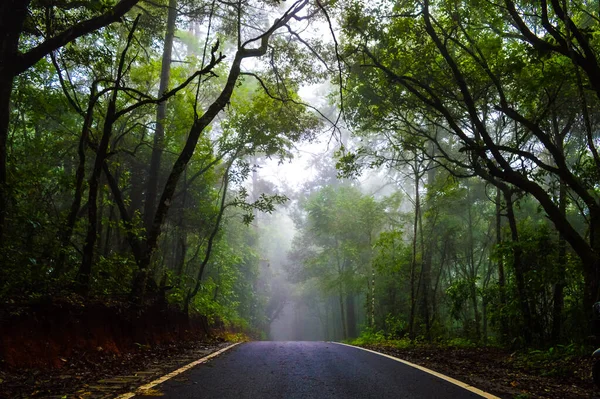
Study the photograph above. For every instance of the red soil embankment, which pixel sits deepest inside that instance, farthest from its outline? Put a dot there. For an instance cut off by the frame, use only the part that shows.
(43, 335)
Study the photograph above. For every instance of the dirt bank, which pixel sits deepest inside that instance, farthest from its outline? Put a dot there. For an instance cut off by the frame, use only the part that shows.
(42, 335)
(61, 346)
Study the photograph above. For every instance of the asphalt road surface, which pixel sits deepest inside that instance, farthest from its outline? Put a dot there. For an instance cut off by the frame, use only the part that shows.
(305, 370)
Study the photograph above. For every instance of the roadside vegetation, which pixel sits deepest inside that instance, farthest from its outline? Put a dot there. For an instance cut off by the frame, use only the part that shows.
(128, 136)
(469, 209)
(561, 371)
(456, 206)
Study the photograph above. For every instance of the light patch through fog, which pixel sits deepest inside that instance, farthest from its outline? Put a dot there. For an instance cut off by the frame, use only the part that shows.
(292, 174)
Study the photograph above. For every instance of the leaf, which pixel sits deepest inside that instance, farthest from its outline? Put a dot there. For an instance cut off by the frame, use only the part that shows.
(150, 392)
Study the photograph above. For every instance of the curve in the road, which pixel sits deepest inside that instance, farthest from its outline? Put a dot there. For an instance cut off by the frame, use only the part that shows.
(429, 371)
(310, 370)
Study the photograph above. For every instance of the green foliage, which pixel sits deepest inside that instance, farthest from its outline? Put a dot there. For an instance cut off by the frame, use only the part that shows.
(463, 105)
(458, 293)
(460, 342)
(337, 234)
(114, 274)
(395, 327)
(369, 337)
(465, 92)
(54, 161)
(554, 361)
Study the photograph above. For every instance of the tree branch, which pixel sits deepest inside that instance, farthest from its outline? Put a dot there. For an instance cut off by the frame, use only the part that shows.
(31, 57)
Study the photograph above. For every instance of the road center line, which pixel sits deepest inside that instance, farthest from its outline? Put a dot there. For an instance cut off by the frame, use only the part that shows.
(172, 374)
(435, 373)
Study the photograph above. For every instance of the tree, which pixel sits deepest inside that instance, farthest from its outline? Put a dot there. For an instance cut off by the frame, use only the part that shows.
(83, 136)
(334, 246)
(18, 29)
(489, 85)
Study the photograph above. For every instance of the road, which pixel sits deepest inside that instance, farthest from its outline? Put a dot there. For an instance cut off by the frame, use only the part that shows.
(305, 370)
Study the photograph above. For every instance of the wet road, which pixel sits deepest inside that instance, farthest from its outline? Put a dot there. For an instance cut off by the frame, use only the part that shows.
(306, 370)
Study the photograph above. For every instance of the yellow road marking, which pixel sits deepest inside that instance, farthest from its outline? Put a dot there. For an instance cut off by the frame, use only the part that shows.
(172, 374)
(435, 373)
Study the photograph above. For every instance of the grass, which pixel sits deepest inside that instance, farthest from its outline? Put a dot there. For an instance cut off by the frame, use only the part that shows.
(379, 338)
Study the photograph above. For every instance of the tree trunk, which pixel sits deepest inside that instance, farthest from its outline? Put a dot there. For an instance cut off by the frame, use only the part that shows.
(326, 334)
(473, 295)
(83, 276)
(413, 263)
(108, 247)
(132, 239)
(372, 310)
(136, 193)
(519, 270)
(592, 269)
(472, 270)
(485, 320)
(181, 246)
(12, 17)
(350, 316)
(67, 231)
(427, 253)
(558, 295)
(501, 277)
(102, 199)
(425, 289)
(6, 83)
(161, 113)
(213, 234)
(438, 278)
(343, 315)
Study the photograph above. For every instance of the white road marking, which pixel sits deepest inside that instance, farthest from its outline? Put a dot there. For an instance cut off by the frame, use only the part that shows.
(435, 373)
(172, 374)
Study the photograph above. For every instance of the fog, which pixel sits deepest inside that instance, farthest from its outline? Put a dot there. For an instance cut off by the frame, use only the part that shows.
(303, 310)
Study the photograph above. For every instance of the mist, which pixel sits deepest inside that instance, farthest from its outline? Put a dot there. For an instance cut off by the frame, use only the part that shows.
(302, 309)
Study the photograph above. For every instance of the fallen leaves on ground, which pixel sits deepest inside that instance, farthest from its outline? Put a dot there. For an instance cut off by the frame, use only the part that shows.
(83, 368)
(503, 373)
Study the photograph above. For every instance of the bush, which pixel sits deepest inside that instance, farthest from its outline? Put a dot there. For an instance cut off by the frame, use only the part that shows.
(461, 343)
(369, 337)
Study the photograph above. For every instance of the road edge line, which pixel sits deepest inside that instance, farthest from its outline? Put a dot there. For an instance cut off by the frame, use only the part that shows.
(435, 373)
(172, 374)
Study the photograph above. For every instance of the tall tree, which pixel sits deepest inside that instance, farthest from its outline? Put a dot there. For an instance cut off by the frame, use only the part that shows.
(17, 28)
(335, 237)
(161, 113)
(493, 127)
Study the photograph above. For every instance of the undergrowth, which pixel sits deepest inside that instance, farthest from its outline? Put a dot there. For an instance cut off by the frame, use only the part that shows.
(556, 361)
(380, 338)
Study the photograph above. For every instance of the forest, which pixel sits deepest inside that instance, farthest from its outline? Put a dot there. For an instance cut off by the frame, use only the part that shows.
(441, 166)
